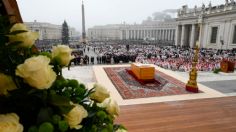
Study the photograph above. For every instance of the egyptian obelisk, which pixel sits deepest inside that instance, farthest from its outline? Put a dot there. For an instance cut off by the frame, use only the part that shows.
(83, 41)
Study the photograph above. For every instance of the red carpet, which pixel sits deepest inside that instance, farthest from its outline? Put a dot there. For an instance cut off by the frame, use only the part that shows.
(131, 88)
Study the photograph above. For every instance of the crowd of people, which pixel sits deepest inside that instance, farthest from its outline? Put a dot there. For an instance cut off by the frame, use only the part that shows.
(169, 57)
(180, 59)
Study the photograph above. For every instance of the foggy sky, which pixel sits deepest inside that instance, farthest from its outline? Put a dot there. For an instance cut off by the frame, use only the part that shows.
(99, 12)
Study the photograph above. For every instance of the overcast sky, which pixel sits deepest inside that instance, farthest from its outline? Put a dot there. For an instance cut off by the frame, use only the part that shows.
(99, 12)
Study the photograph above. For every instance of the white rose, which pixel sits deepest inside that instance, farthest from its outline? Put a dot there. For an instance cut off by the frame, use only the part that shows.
(63, 53)
(37, 72)
(27, 38)
(100, 93)
(111, 106)
(75, 116)
(10, 123)
(6, 84)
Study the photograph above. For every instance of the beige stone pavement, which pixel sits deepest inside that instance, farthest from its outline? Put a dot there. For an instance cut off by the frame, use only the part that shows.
(102, 78)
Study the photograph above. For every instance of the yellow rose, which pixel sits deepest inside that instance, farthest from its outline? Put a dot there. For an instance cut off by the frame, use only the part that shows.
(37, 72)
(75, 116)
(111, 106)
(27, 38)
(100, 93)
(63, 53)
(10, 123)
(6, 84)
(121, 130)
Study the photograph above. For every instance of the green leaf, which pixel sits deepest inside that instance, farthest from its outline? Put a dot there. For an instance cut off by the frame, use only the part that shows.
(32, 91)
(88, 92)
(91, 114)
(118, 126)
(65, 109)
(63, 126)
(105, 130)
(81, 85)
(94, 128)
(33, 129)
(46, 54)
(110, 127)
(44, 115)
(56, 119)
(61, 102)
(73, 83)
(102, 115)
(46, 127)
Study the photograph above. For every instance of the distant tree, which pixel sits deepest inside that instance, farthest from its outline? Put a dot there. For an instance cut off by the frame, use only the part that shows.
(65, 33)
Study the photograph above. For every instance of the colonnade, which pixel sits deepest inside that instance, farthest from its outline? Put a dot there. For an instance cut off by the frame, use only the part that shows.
(187, 35)
(154, 34)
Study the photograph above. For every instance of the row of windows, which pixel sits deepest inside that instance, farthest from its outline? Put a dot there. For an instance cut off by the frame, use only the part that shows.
(214, 32)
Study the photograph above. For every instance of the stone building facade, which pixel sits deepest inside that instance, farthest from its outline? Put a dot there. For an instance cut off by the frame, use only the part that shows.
(48, 31)
(162, 31)
(107, 32)
(212, 26)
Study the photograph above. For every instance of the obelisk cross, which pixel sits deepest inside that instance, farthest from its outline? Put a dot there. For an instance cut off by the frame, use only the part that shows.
(83, 25)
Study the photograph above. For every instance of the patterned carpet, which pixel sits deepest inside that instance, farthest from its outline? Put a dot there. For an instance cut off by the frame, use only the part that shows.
(130, 88)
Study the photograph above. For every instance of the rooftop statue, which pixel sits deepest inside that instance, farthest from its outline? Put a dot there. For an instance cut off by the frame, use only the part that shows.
(210, 6)
(226, 2)
(232, 2)
(203, 6)
(195, 9)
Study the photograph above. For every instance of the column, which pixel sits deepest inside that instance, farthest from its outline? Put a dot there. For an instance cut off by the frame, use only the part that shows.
(172, 34)
(177, 35)
(173, 37)
(127, 34)
(122, 35)
(159, 34)
(169, 38)
(137, 34)
(165, 34)
(192, 39)
(149, 33)
(132, 32)
(145, 33)
(130, 35)
(155, 34)
(183, 36)
(141, 34)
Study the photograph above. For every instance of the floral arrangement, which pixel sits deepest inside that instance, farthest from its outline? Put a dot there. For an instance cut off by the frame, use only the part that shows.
(34, 95)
